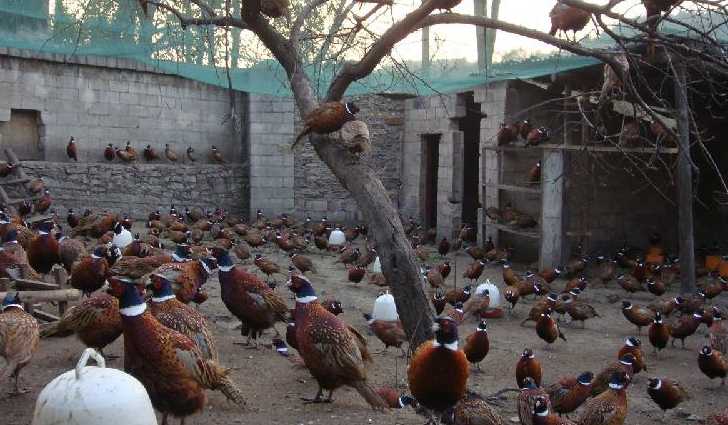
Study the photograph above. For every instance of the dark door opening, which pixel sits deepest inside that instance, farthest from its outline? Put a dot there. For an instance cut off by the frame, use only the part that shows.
(470, 126)
(430, 161)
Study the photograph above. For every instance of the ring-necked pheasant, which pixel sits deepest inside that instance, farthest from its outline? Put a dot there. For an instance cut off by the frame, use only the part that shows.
(332, 351)
(169, 365)
(248, 298)
(327, 118)
(172, 313)
(18, 338)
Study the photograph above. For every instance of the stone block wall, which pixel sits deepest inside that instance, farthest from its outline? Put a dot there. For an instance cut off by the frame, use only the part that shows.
(141, 188)
(101, 100)
(433, 115)
(269, 136)
(317, 191)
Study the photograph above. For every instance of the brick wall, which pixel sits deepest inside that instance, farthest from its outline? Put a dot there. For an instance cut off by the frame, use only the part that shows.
(270, 134)
(141, 188)
(318, 192)
(106, 100)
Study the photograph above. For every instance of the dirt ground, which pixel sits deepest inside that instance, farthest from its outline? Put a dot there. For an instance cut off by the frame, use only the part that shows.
(273, 386)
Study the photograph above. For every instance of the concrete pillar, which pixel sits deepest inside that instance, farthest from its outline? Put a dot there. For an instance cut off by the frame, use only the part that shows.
(552, 223)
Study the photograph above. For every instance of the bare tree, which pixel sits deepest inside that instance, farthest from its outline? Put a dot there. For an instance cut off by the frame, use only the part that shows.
(291, 41)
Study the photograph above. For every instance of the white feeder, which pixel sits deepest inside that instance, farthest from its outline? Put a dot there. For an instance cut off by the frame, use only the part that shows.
(493, 293)
(91, 395)
(385, 308)
(337, 237)
(377, 265)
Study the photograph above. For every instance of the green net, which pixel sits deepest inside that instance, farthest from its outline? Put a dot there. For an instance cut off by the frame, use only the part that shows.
(119, 29)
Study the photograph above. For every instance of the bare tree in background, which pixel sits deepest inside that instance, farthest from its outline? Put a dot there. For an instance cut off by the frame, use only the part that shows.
(349, 34)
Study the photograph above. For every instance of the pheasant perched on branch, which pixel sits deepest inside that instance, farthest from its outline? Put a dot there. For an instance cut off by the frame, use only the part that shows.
(18, 338)
(567, 18)
(654, 9)
(327, 118)
(332, 351)
(169, 365)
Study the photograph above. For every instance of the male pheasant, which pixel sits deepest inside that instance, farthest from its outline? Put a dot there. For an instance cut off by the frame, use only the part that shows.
(173, 370)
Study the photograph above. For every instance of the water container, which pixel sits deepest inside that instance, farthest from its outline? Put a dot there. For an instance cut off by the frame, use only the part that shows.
(93, 395)
(385, 308)
(337, 237)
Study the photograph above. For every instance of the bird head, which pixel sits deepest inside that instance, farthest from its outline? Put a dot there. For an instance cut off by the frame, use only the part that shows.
(11, 300)
(407, 400)
(706, 351)
(529, 384)
(129, 292)
(334, 307)
(280, 346)
(446, 332)
(301, 287)
(618, 381)
(632, 342)
(658, 317)
(160, 285)
(482, 326)
(351, 108)
(654, 383)
(367, 317)
(528, 354)
(10, 236)
(585, 378)
(540, 406)
(626, 305)
(627, 359)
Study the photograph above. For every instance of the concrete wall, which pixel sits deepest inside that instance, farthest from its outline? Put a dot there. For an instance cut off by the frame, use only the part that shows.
(318, 192)
(269, 137)
(141, 188)
(105, 100)
(433, 115)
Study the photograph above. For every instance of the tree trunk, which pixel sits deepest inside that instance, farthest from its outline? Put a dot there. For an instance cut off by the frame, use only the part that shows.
(394, 249)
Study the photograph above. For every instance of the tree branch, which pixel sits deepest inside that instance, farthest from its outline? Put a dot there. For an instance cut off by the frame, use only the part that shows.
(186, 20)
(355, 71)
(298, 24)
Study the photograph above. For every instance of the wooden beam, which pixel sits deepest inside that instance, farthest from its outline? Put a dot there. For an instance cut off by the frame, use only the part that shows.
(684, 184)
(29, 297)
(512, 188)
(48, 317)
(34, 285)
(552, 205)
(515, 231)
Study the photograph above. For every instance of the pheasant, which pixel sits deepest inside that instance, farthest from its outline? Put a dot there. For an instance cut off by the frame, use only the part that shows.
(43, 252)
(18, 338)
(169, 365)
(332, 351)
(327, 118)
(90, 272)
(188, 278)
(95, 321)
(438, 371)
(172, 313)
(248, 298)
(71, 149)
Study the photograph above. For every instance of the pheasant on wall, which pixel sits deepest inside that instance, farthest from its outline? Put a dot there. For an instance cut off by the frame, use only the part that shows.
(332, 352)
(95, 321)
(18, 339)
(169, 365)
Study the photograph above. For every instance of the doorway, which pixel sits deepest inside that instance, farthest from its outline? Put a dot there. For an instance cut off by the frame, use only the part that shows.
(430, 162)
(470, 126)
(22, 135)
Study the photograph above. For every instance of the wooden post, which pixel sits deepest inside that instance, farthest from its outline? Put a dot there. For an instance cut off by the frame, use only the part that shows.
(552, 204)
(684, 184)
(491, 33)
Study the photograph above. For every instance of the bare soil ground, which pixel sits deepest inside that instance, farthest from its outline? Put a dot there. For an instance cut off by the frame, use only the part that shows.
(273, 386)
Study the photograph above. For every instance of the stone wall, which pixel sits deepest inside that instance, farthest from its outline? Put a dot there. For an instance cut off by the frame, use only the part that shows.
(141, 188)
(318, 192)
(101, 100)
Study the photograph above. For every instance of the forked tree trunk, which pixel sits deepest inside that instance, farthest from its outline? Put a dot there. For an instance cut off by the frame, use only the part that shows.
(395, 252)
